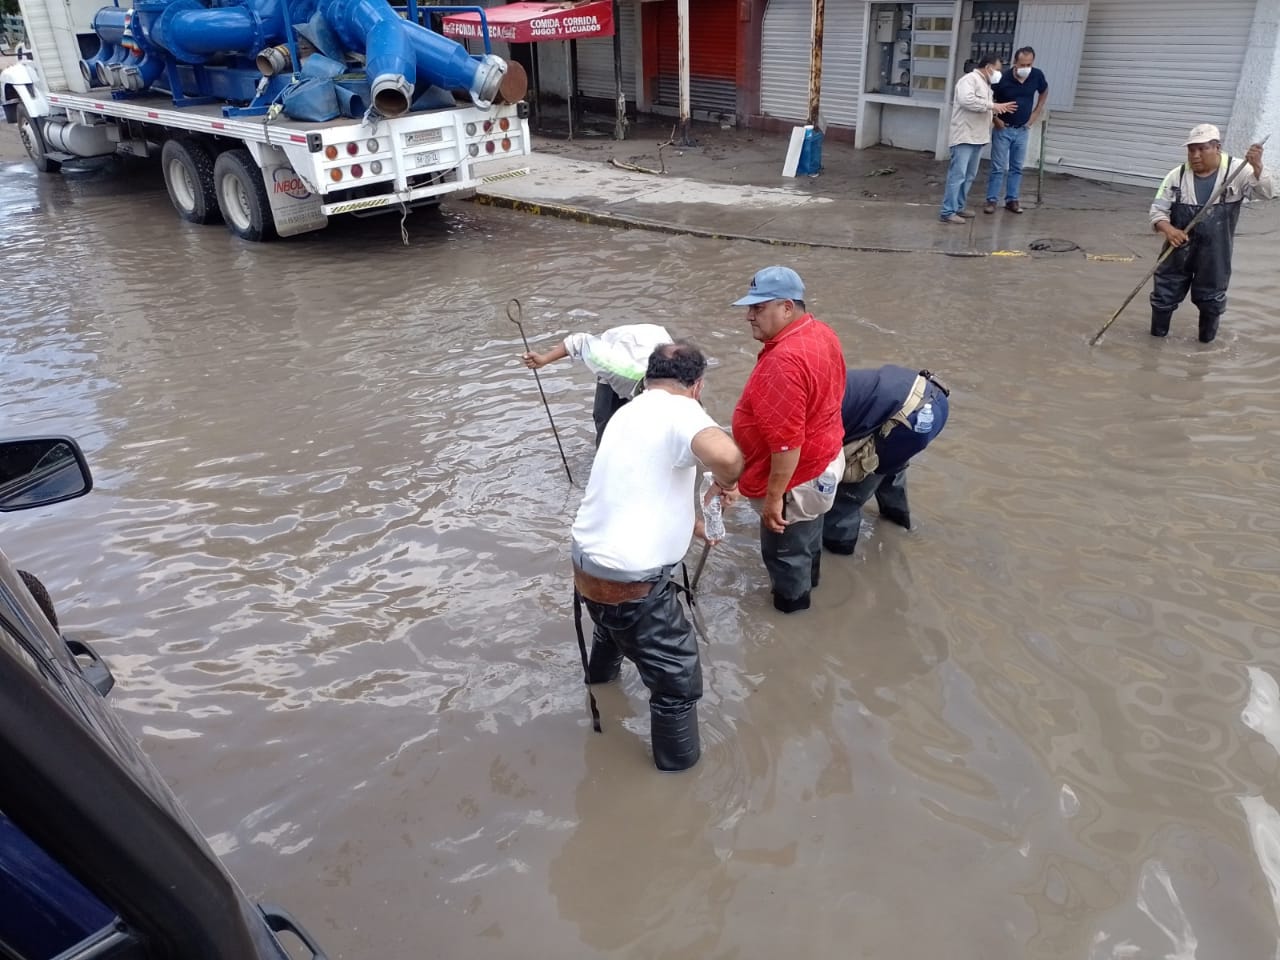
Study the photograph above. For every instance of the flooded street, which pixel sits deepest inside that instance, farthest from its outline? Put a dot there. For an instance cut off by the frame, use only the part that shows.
(327, 559)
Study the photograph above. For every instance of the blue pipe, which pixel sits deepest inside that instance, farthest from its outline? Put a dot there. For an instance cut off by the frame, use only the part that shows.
(194, 33)
(398, 54)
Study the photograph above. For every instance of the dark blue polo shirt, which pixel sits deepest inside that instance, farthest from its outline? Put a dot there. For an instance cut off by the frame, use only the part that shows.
(1022, 92)
(873, 396)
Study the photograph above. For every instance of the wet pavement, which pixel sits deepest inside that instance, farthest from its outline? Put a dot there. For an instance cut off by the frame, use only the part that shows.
(327, 559)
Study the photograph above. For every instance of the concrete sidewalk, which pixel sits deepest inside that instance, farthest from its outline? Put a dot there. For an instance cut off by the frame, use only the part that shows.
(593, 192)
(880, 200)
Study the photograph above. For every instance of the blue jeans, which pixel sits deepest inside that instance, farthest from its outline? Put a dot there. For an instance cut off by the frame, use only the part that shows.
(960, 175)
(1008, 153)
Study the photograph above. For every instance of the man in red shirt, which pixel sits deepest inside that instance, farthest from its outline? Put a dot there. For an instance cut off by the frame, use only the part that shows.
(788, 425)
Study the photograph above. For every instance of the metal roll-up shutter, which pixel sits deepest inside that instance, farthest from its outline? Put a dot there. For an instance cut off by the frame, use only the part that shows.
(842, 61)
(1149, 72)
(786, 44)
(713, 56)
(595, 58)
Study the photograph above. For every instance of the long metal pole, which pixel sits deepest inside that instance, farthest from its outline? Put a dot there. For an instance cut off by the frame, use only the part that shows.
(815, 59)
(515, 313)
(682, 29)
(1044, 133)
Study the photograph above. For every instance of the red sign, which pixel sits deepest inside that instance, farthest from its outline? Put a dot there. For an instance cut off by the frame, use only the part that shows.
(531, 22)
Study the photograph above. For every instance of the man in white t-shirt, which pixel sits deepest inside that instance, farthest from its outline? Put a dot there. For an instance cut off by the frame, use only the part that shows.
(631, 531)
(617, 357)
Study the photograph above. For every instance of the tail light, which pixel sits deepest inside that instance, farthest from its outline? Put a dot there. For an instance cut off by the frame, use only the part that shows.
(331, 152)
(504, 124)
(488, 147)
(473, 149)
(376, 167)
(488, 125)
(506, 143)
(373, 146)
(353, 149)
(357, 171)
(335, 174)
(471, 129)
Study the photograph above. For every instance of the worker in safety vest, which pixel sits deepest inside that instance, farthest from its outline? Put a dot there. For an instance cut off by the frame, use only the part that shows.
(1201, 260)
(890, 414)
(618, 358)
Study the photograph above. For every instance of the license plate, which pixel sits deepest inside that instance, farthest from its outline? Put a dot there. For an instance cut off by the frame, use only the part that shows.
(426, 159)
(423, 136)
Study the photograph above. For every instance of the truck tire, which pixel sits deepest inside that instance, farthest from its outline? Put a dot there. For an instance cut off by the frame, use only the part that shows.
(188, 176)
(33, 140)
(242, 196)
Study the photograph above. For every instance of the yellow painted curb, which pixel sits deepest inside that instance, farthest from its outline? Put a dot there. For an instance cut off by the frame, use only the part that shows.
(1008, 253)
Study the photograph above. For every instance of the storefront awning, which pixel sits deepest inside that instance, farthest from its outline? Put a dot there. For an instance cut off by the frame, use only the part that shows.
(532, 22)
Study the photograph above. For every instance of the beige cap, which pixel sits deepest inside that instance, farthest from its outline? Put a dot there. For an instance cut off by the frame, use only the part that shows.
(1202, 133)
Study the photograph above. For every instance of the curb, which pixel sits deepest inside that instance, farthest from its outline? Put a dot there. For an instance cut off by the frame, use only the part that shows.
(579, 215)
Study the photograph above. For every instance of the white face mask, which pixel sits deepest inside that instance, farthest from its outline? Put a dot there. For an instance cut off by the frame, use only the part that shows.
(995, 77)
(1022, 73)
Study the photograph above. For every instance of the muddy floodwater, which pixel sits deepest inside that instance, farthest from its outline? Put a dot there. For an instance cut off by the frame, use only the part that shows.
(327, 559)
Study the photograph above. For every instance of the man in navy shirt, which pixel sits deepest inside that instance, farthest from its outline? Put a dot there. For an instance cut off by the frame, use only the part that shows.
(890, 414)
(1022, 85)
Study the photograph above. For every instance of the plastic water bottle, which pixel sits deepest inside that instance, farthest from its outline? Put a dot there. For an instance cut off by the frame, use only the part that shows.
(924, 420)
(713, 516)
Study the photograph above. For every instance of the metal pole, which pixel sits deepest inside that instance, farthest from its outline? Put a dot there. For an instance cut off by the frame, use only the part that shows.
(682, 29)
(815, 59)
(515, 313)
(1044, 135)
(620, 120)
(568, 69)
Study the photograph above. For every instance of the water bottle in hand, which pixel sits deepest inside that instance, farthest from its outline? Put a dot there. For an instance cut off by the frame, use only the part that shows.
(713, 518)
(924, 420)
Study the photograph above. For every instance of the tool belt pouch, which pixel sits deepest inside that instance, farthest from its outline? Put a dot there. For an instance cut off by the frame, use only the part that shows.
(813, 498)
(610, 592)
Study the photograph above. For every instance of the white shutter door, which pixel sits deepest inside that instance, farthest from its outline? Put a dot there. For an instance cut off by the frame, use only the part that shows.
(784, 58)
(842, 61)
(1150, 71)
(595, 58)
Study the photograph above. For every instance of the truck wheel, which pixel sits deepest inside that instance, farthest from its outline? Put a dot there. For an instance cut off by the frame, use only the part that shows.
(188, 176)
(33, 141)
(242, 196)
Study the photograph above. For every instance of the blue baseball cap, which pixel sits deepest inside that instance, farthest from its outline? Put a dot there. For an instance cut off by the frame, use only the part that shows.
(773, 283)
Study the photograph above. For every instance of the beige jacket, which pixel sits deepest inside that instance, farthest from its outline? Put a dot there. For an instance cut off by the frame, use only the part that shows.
(971, 111)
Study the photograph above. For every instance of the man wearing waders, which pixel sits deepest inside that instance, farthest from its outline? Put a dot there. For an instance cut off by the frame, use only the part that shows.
(617, 357)
(1201, 260)
(890, 414)
(632, 531)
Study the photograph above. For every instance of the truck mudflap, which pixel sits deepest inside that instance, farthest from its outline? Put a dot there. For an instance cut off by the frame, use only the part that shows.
(294, 206)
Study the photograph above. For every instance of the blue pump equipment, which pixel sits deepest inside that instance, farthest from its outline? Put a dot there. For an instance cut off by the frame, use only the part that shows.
(253, 52)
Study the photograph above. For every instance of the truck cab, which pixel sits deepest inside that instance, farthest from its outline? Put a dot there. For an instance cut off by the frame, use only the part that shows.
(97, 857)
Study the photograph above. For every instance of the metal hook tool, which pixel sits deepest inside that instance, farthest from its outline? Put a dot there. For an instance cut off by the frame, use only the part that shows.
(515, 313)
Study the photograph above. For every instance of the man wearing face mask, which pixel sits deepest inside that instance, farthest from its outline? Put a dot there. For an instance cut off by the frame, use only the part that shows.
(971, 115)
(1201, 260)
(1024, 84)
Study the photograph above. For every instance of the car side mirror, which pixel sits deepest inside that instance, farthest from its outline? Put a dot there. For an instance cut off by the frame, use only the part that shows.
(37, 471)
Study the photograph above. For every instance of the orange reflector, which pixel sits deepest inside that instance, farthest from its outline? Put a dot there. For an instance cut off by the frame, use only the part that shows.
(353, 149)
(504, 124)
(357, 171)
(506, 143)
(335, 175)
(331, 152)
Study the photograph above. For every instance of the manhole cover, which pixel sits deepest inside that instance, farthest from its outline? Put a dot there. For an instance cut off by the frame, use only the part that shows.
(1050, 245)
